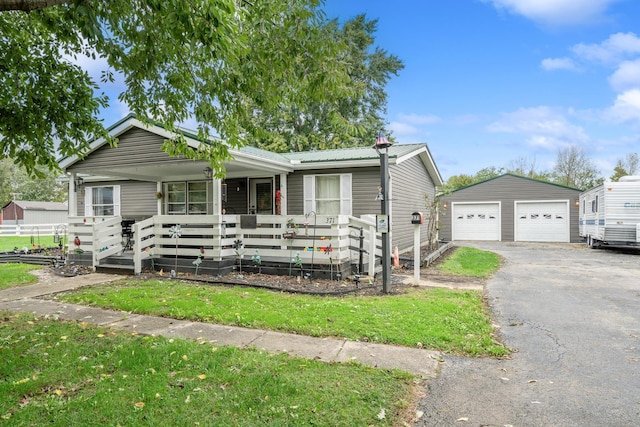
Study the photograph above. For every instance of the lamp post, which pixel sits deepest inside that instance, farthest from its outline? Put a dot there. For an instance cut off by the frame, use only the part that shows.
(385, 217)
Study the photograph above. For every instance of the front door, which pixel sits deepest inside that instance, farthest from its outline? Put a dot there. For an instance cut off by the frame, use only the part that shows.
(261, 196)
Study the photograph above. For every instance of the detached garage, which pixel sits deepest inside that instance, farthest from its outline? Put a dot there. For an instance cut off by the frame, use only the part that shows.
(23, 212)
(511, 208)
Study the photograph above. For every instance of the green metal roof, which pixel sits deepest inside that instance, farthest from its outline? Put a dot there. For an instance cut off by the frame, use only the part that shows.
(354, 153)
(308, 157)
(278, 157)
(516, 176)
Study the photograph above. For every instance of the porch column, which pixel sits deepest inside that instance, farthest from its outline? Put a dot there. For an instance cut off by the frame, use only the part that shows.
(73, 195)
(283, 194)
(217, 197)
(159, 201)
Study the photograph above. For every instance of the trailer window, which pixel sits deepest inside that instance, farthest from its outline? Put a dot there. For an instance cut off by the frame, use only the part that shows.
(594, 205)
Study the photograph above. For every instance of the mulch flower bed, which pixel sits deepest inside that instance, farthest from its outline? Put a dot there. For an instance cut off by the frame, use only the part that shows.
(400, 279)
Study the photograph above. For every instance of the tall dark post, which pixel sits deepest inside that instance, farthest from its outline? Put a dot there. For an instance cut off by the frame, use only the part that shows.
(386, 250)
(383, 144)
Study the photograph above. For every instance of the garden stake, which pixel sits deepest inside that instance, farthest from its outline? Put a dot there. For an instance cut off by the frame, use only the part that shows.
(313, 240)
(175, 233)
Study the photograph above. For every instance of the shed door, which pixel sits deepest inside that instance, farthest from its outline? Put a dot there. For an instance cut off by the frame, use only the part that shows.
(542, 221)
(476, 221)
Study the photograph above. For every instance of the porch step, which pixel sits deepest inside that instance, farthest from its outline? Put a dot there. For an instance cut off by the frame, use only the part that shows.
(124, 259)
(126, 270)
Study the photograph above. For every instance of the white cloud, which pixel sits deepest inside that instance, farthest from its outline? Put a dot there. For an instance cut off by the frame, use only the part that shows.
(542, 126)
(399, 128)
(412, 124)
(547, 143)
(626, 107)
(551, 64)
(626, 77)
(614, 49)
(416, 119)
(555, 12)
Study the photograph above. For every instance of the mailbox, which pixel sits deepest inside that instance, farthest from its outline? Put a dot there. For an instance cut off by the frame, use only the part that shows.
(417, 218)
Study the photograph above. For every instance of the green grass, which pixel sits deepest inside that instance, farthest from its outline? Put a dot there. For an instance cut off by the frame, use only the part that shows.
(70, 374)
(451, 321)
(9, 243)
(16, 275)
(471, 262)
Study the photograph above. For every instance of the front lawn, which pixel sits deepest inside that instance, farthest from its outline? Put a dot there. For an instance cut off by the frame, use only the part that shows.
(17, 275)
(451, 321)
(73, 374)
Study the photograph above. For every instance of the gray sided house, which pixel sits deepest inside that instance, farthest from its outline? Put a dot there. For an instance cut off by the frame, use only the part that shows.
(511, 208)
(137, 181)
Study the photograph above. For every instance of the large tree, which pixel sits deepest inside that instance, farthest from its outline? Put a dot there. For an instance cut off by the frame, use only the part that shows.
(626, 166)
(339, 121)
(457, 182)
(574, 169)
(16, 184)
(214, 60)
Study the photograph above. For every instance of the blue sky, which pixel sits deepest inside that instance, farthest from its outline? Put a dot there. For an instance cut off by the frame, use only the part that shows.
(487, 82)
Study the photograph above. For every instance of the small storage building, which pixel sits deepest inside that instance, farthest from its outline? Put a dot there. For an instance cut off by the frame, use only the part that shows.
(511, 208)
(33, 213)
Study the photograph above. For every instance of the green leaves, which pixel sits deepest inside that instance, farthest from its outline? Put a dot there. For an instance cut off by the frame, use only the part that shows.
(219, 61)
(344, 99)
(46, 101)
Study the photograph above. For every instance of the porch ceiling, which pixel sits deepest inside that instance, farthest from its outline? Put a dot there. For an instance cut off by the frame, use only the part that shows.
(181, 169)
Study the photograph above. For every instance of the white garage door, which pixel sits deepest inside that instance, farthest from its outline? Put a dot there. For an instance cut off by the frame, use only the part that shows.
(542, 221)
(476, 221)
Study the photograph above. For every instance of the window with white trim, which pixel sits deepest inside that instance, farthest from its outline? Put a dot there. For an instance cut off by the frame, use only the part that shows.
(187, 197)
(102, 201)
(328, 194)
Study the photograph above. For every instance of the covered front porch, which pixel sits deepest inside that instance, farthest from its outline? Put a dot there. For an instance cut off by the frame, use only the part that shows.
(157, 211)
(309, 245)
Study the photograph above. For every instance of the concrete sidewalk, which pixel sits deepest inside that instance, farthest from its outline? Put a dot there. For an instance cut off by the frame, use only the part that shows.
(28, 299)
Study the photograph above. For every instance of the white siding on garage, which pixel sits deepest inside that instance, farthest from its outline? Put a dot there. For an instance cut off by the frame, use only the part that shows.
(45, 217)
(542, 221)
(476, 221)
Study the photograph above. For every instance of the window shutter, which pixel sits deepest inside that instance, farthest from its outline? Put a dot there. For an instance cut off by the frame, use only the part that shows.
(309, 193)
(116, 200)
(88, 201)
(345, 194)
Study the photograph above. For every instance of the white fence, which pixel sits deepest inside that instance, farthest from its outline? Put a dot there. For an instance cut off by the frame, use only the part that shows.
(317, 239)
(32, 229)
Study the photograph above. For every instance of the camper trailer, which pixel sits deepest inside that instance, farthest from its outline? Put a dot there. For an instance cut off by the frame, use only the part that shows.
(610, 213)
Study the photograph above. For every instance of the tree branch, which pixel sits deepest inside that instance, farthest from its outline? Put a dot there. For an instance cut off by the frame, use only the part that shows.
(29, 5)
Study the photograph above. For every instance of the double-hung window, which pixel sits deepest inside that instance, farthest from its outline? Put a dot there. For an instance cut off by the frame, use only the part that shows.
(102, 201)
(328, 194)
(187, 198)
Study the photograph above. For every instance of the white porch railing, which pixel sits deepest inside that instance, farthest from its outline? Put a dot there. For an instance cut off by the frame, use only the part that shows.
(107, 239)
(101, 236)
(317, 239)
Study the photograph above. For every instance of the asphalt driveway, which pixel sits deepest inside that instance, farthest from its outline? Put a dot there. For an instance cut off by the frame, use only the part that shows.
(572, 315)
